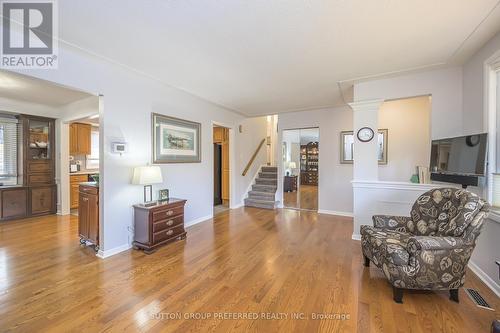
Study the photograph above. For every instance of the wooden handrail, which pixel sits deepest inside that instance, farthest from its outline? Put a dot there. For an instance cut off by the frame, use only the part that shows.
(249, 164)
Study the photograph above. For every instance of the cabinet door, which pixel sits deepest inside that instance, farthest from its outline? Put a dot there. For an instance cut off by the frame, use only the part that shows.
(93, 219)
(83, 215)
(74, 196)
(218, 134)
(42, 200)
(14, 203)
(84, 145)
(73, 139)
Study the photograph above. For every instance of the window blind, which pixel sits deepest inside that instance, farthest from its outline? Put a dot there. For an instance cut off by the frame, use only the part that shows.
(8, 150)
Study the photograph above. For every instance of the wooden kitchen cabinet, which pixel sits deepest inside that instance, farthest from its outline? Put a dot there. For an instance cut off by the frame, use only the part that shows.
(42, 200)
(14, 203)
(79, 139)
(88, 214)
(74, 181)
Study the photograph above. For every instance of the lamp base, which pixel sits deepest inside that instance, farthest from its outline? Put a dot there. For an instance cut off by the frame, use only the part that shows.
(148, 194)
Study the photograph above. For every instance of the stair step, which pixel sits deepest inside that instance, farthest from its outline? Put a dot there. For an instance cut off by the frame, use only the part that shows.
(261, 195)
(267, 181)
(269, 169)
(264, 188)
(260, 204)
(272, 175)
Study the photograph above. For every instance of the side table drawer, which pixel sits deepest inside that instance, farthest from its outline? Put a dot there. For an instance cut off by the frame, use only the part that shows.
(167, 213)
(168, 223)
(167, 234)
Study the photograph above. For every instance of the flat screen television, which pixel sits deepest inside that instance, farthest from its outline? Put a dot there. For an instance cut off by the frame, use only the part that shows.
(463, 155)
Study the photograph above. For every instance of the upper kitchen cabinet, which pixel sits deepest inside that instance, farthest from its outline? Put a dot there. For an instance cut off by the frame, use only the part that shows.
(79, 139)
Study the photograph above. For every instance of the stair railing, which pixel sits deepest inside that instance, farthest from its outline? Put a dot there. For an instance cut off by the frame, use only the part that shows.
(252, 159)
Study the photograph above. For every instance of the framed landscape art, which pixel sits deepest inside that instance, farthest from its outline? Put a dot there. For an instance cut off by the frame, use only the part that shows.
(175, 140)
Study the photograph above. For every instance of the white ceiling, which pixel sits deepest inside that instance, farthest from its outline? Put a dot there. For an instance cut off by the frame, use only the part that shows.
(267, 56)
(24, 88)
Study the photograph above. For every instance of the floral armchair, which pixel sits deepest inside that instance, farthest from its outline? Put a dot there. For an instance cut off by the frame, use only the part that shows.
(429, 250)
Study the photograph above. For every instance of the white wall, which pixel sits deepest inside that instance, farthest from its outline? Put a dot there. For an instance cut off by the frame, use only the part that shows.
(335, 191)
(253, 131)
(444, 85)
(129, 99)
(409, 144)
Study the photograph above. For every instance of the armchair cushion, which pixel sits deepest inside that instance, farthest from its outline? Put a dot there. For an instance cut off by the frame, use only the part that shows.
(385, 245)
(444, 212)
(388, 222)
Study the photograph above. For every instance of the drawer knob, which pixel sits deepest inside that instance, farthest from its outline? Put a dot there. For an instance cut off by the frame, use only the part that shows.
(170, 232)
(170, 212)
(170, 222)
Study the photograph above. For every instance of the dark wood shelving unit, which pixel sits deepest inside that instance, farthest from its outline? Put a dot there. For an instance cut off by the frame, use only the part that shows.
(36, 192)
(309, 163)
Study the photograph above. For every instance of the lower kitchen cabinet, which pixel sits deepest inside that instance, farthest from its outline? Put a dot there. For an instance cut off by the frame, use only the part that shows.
(88, 214)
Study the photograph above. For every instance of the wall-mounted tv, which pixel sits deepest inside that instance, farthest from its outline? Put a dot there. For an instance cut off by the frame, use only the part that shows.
(464, 155)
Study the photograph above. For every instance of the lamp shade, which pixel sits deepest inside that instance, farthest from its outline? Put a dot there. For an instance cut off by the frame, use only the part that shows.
(292, 165)
(147, 175)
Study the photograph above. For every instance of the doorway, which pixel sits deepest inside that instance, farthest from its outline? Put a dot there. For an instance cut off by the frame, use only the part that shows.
(301, 168)
(221, 169)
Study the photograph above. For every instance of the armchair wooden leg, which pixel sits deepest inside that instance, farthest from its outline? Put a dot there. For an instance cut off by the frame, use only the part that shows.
(367, 261)
(454, 295)
(397, 295)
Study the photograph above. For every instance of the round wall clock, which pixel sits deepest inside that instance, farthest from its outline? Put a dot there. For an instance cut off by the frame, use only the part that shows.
(365, 134)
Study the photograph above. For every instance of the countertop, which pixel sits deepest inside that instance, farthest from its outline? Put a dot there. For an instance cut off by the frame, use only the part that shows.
(93, 184)
(85, 172)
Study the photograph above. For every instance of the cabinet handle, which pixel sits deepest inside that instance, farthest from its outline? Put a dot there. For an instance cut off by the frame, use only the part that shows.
(170, 222)
(170, 212)
(170, 232)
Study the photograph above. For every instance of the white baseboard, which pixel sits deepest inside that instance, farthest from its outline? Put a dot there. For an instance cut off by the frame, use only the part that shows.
(198, 220)
(356, 237)
(485, 278)
(335, 212)
(238, 205)
(111, 252)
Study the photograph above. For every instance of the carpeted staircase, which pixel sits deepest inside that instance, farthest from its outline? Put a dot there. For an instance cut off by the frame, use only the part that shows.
(264, 189)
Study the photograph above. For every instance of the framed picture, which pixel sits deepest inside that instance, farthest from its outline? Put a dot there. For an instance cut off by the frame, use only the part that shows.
(347, 145)
(175, 140)
(163, 195)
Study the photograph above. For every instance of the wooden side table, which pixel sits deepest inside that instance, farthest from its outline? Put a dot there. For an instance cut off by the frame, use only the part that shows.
(158, 224)
(290, 184)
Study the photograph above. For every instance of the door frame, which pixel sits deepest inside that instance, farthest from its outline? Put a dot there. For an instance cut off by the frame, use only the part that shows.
(232, 174)
(281, 167)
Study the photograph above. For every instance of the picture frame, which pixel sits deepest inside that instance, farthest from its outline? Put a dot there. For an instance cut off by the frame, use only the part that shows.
(163, 195)
(347, 146)
(175, 140)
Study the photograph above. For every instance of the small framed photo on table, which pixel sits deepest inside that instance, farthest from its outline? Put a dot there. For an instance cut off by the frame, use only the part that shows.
(163, 195)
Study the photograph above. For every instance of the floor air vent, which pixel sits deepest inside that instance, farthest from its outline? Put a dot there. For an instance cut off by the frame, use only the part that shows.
(478, 299)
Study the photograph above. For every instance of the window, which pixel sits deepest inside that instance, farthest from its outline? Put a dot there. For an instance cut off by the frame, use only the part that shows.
(8, 150)
(496, 176)
(93, 158)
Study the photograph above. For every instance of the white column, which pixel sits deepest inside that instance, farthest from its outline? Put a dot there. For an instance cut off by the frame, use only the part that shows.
(365, 114)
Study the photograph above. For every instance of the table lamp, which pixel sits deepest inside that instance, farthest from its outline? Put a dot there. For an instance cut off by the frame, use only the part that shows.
(147, 175)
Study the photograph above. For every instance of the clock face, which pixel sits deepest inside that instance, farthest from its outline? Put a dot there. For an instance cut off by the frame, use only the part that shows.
(365, 134)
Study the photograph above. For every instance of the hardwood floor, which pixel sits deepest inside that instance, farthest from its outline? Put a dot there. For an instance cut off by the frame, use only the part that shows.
(305, 198)
(245, 261)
